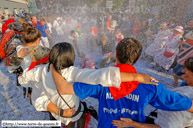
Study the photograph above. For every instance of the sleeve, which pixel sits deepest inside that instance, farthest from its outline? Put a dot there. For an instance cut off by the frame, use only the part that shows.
(11, 69)
(170, 101)
(86, 90)
(168, 119)
(41, 103)
(29, 76)
(106, 76)
(46, 27)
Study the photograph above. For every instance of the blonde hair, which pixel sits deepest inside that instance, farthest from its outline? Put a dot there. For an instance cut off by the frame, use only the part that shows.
(38, 52)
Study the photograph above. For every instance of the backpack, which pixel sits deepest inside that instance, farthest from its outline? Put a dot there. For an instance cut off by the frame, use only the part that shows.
(8, 44)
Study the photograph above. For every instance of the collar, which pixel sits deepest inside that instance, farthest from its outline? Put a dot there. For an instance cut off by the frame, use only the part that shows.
(44, 60)
(125, 87)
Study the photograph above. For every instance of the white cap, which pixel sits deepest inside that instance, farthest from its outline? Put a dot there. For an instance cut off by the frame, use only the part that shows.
(179, 28)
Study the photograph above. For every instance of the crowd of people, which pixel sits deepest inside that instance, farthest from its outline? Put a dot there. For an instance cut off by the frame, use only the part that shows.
(42, 55)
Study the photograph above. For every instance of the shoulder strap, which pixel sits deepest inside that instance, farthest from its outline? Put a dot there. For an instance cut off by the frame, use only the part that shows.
(64, 100)
(76, 113)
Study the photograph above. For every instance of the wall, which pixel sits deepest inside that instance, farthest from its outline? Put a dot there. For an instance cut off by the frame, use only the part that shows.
(10, 5)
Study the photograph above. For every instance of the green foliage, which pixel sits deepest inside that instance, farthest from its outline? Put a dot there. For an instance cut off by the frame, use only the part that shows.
(118, 3)
(90, 2)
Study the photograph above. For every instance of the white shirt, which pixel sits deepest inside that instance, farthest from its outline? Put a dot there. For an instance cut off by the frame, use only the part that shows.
(57, 26)
(44, 85)
(49, 27)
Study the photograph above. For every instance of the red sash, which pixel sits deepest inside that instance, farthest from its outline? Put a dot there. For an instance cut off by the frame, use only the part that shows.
(33, 64)
(125, 87)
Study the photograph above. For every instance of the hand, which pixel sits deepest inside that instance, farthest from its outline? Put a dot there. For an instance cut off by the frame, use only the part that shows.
(123, 122)
(146, 79)
(69, 112)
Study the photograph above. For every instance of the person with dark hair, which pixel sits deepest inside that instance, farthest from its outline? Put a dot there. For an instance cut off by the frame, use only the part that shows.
(40, 55)
(169, 119)
(30, 37)
(62, 57)
(188, 27)
(131, 98)
(5, 15)
(10, 16)
(2, 17)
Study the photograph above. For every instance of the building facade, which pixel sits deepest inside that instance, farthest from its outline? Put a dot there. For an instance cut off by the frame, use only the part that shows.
(13, 6)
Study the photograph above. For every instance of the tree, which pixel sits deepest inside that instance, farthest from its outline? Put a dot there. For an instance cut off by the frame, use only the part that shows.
(118, 3)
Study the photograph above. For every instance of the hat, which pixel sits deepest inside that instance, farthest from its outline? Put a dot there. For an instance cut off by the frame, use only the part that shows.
(164, 25)
(179, 29)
